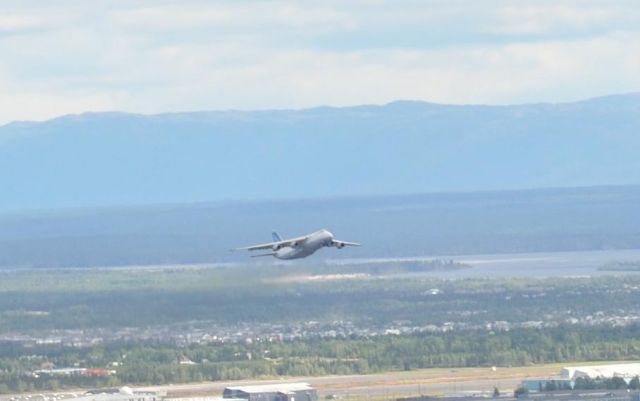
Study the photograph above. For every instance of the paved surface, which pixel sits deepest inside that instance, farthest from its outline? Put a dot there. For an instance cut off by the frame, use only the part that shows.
(387, 385)
(375, 386)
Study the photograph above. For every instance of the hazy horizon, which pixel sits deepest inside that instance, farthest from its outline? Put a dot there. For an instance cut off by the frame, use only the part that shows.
(322, 106)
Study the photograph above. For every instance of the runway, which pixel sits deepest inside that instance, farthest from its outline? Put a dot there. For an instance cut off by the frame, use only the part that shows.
(386, 385)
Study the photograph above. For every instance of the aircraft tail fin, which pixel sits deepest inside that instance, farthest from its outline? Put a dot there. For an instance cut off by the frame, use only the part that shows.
(276, 237)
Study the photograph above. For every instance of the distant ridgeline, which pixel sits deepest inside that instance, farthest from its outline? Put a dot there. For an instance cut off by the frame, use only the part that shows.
(107, 159)
(591, 218)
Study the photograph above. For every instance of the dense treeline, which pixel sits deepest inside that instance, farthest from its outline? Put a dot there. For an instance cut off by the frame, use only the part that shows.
(159, 363)
(572, 315)
(430, 224)
(609, 383)
(585, 383)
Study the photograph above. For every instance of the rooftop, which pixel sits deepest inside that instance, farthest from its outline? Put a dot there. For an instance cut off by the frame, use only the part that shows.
(273, 388)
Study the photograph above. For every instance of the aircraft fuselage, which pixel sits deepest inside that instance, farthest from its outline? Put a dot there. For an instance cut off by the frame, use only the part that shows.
(298, 247)
(314, 242)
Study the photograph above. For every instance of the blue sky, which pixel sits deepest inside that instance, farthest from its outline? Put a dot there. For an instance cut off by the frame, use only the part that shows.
(156, 56)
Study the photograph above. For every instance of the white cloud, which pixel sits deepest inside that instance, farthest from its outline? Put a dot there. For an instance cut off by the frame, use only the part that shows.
(45, 105)
(254, 16)
(206, 77)
(171, 17)
(19, 22)
(547, 18)
(169, 56)
(32, 20)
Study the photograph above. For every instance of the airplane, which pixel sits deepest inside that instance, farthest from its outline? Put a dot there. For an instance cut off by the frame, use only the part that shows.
(300, 247)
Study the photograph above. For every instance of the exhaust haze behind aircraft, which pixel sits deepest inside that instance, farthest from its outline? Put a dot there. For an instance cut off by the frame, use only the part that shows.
(300, 247)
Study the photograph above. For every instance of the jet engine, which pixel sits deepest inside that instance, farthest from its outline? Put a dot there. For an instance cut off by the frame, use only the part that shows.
(284, 252)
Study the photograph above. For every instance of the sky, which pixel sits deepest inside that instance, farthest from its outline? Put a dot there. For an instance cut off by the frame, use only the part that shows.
(154, 56)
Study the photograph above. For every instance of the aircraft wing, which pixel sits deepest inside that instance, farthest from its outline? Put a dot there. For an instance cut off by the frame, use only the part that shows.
(275, 245)
(340, 244)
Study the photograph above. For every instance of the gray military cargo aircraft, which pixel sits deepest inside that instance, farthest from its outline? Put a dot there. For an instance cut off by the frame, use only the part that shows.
(300, 247)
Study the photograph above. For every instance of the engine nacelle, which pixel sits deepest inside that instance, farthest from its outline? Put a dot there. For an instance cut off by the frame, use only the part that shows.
(338, 244)
(284, 252)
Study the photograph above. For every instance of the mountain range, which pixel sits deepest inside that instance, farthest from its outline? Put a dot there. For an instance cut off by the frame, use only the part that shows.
(405, 147)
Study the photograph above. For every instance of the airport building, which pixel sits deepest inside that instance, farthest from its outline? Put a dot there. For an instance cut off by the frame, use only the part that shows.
(570, 374)
(273, 392)
(625, 370)
(121, 394)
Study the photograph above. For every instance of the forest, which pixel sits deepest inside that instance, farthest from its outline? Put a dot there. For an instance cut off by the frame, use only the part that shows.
(141, 323)
(158, 363)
